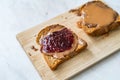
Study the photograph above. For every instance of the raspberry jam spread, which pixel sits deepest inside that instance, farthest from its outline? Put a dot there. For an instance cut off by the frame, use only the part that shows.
(57, 41)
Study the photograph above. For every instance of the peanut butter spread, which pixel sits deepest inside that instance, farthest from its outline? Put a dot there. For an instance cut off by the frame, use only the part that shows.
(97, 14)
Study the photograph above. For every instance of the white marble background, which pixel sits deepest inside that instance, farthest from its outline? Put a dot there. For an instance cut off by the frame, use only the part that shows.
(19, 15)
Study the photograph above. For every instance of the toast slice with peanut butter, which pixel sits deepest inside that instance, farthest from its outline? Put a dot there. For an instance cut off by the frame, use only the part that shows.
(97, 18)
(58, 44)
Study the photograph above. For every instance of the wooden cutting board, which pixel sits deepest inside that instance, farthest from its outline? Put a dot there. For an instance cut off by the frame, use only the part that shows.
(98, 48)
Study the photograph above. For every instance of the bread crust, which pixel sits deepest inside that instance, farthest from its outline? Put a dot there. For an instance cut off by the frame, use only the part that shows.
(52, 62)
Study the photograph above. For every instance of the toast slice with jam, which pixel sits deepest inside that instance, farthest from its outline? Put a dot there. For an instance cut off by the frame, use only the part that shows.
(58, 44)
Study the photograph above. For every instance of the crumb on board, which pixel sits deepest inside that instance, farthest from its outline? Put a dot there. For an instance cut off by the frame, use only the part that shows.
(33, 48)
(29, 54)
(35, 35)
(73, 10)
(79, 24)
(76, 11)
(65, 17)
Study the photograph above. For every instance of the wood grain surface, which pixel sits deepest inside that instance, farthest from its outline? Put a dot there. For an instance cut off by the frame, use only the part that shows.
(98, 48)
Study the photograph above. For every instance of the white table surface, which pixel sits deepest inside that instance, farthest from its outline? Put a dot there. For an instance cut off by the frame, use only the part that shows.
(19, 15)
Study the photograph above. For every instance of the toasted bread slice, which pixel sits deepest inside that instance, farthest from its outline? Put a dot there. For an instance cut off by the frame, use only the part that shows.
(97, 18)
(51, 60)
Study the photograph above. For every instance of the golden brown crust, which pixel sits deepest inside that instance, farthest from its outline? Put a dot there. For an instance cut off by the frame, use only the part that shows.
(52, 62)
(100, 31)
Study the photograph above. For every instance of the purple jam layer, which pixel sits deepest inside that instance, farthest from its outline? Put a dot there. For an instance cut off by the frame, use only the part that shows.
(57, 41)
